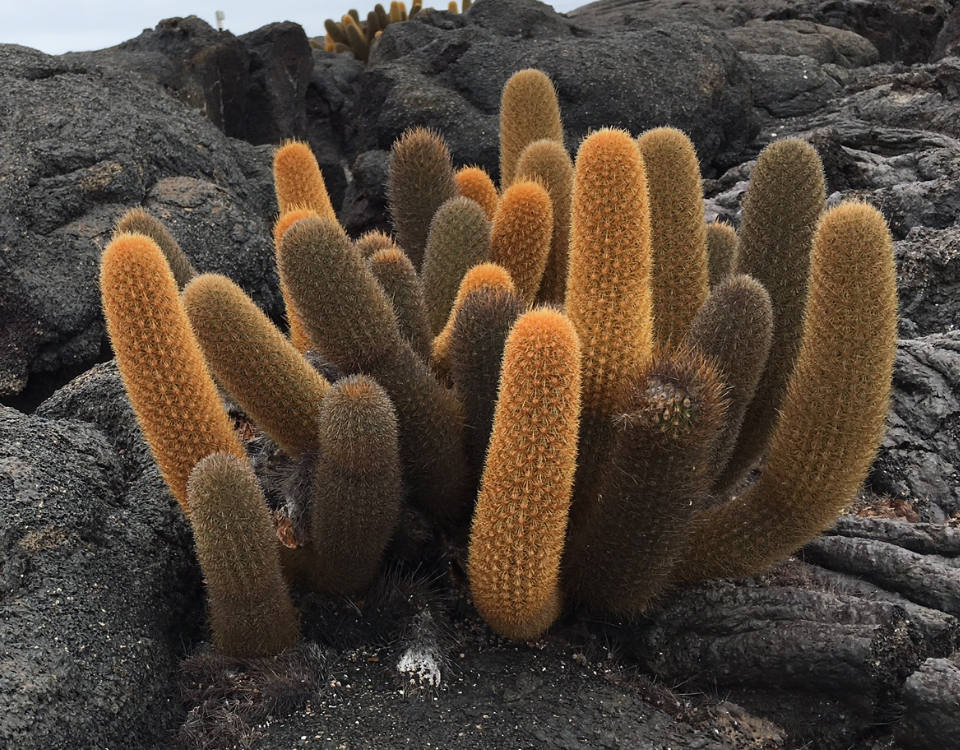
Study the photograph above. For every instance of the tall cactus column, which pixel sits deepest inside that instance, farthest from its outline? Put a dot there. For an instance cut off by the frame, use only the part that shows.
(521, 516)
(608, 288)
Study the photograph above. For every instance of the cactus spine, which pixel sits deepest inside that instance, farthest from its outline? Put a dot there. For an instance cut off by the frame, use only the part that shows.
(734, 329)
(548, 162)
(658, 474)
(485, 275)
(459, 239)
(298, 181)
(370, 242)
(610, 261)
(474, 183)
(298, 335)
(476, 350)
(420, 181)
(722, 251)
(780, 213)
(357, 488)
(398, 278)
(138, 221)
(347, 313)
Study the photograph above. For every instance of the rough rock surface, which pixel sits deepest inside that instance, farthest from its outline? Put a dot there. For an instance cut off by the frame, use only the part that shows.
(252, 87)
(489, 693)
(795, 38)
(79, 146)
(96, 582)
(448, 71)
(332, 88)
(931, 696)
(920, 454)
(904, 30)
(928, 280)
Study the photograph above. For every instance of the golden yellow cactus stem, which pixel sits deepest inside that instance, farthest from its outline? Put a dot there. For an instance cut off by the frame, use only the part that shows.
(474, 183)
(298, 181)
(256, 363)
(833, 415)
(549, 163)
(483, 276)
(679, 238)
(529, 111)
(298, 334)
(608, 287)
(520, 520)
(163, 370)
(520, 241)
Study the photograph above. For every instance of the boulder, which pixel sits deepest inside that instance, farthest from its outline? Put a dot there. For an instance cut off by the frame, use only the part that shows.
(263, 87)
(788, 86)
(887, 136)
(902, 30)
(447, 72)
(87, 144)
(365, 204)
(795, 38)
(281, 69)
(919, 458)
(948, 40)
(252, 87)
(99, 593)
(931, 716)
(908, 173)
(332, 87)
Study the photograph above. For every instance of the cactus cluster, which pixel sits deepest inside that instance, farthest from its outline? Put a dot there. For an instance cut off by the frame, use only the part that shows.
(573, 373)
(355, 36)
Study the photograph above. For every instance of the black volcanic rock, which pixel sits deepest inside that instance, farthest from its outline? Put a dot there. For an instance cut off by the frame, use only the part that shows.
(281, 66)
(86, 144)
(928, 280)
(789, 86)
(99, 592)
(903, 30)
(931, 696)
(919, 458)
(795, 38)
(252, 86)
(447, 72)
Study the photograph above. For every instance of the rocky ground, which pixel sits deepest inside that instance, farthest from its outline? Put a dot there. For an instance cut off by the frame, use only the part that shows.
(849, 645)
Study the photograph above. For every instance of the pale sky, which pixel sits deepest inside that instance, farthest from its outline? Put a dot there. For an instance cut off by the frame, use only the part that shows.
(56, 26)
